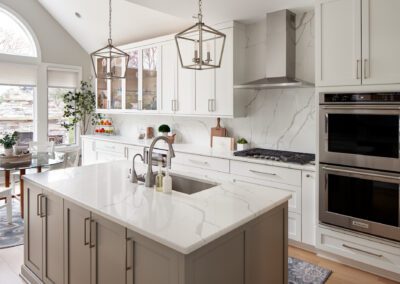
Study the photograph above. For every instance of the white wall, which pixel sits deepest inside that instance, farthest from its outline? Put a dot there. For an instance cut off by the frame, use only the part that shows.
(278, 119)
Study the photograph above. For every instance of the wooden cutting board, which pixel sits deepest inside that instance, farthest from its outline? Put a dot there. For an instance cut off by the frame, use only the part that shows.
(218, 131)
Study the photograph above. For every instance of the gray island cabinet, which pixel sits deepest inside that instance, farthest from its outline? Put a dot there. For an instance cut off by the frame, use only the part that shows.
(67, 242)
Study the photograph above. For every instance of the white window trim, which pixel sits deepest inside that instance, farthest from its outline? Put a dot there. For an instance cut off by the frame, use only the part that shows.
(43, 127)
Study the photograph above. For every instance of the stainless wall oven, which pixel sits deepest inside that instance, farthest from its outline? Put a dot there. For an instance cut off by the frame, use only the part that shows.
(359, 154)
(363, 200)
(361, 130)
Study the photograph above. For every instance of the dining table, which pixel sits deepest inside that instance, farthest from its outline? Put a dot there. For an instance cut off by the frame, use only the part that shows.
(39, 160)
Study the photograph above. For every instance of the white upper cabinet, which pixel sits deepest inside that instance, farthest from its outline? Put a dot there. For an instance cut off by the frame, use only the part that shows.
(381, 41)
(169, 80)
(338, 43)
(357, 42)
(157, 83)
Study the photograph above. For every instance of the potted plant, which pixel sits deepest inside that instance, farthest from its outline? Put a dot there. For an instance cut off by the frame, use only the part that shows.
(242, 144)
(8, 141)
(164, 129)
(80, 108)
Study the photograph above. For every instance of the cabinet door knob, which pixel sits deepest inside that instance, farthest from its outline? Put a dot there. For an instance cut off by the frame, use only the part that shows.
(308, 175)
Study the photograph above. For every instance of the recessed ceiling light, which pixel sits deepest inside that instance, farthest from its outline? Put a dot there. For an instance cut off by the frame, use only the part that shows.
(78, 15)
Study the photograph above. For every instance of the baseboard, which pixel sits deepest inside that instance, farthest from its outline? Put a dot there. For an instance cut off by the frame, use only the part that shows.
(359, 265)
(302, 246)
(28, 276)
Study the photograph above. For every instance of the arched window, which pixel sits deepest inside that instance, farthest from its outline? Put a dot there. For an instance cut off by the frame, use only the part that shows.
(15, 38)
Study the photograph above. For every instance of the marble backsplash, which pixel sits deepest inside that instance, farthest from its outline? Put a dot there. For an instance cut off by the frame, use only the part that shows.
(281, 119)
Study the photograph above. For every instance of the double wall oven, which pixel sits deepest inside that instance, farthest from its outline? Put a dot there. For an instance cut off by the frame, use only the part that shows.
(359, 151)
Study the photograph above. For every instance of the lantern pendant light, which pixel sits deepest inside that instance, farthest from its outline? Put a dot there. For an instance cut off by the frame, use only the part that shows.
(111, 62)
(200, 47)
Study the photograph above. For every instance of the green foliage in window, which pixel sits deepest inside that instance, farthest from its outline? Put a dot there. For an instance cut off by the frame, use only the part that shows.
(80, 108)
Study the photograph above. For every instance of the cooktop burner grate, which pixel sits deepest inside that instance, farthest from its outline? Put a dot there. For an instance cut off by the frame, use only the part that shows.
(276, 155)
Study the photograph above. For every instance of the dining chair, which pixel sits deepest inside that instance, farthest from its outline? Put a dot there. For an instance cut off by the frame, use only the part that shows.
(6, 192)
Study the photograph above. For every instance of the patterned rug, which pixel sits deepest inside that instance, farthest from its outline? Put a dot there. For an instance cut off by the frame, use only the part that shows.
(11, 235)
(301, 272)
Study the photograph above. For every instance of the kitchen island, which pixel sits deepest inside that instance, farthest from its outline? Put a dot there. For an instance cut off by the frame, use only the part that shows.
(91, 225)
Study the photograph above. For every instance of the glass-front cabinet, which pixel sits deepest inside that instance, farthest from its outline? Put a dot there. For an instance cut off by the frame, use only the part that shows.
(141, 88)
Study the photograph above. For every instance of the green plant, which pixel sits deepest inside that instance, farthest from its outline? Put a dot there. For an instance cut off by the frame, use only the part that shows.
(242, 141)
(80, 108)
(163, 128)
(9, 140)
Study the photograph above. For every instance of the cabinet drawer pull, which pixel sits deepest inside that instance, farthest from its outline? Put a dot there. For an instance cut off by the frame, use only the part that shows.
(91, 235)
(85, 231)
(128, 256)
(38, 205)
(360, 250)
(43, 197)
(365, 68)
(262, 173)
(358, 69)
(198, 162)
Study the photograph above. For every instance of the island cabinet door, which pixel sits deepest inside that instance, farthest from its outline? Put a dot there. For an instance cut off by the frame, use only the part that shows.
(150, 262)
(76, 244)
(52, 207)
(33, 230)
(108, 252)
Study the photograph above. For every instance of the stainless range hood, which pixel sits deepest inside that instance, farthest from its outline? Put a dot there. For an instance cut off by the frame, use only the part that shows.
(280, 54)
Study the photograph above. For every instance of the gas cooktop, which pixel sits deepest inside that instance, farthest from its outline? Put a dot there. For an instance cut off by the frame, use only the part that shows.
(275, 155)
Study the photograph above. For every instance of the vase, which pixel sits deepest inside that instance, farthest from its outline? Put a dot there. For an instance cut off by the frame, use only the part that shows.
(241, 147)
(8, 152)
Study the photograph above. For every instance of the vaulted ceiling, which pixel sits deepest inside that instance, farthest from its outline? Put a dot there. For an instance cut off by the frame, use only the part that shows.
(135, 20)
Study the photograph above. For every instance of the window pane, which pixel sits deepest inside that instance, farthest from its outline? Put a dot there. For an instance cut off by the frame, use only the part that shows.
(150, 78)
(16, 109)
(14, 37)
(56, 131)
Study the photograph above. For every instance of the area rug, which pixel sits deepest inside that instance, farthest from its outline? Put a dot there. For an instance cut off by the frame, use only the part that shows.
(11, 234)
(301, 272)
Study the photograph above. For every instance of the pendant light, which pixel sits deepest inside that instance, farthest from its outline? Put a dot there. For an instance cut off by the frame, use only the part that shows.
(200, 47)
(111, 62)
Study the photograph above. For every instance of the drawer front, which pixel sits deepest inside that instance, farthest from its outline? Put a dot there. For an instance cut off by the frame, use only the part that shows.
(265, 172)
(294, 226)
(201, 173)
(370, 252)
(111, 147)
(294, 201)
(203, 162)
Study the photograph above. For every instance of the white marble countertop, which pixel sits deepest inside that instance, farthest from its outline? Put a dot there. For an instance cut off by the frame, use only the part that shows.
(180, 221)
(200, 150)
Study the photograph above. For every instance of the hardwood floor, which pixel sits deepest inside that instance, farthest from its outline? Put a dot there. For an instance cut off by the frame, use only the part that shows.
(341, 274)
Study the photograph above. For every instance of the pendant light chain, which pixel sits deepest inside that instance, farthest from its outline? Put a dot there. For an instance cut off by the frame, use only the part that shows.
(109, 23)
(200, 15)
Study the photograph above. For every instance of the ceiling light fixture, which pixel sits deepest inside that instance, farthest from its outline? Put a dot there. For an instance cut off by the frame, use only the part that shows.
(207, 45)
(112, 61)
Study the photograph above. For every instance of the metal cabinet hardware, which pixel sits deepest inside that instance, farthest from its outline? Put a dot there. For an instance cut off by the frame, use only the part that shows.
(198, 162)
(38, 209)
(85, 231)
(43, 197)
(128, 256)
(360, 250)
(358, 62)
(263, 173)
(367, 174)
(365, 68)
(92, 234)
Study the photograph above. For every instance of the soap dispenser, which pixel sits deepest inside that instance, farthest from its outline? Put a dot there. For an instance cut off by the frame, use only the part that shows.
(167, 182)
(159, 178)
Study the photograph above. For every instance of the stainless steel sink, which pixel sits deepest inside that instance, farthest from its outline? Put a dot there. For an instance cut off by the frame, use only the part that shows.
(187, 185)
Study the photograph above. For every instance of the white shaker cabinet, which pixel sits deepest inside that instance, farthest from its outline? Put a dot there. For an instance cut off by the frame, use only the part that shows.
(169, 73)
(309, 208)
(357, 42)
(338, 43)
(381, 42)
(186, 85)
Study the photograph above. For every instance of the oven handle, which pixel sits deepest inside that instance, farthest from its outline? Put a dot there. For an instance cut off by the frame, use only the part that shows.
(366, 107)
(360, 173)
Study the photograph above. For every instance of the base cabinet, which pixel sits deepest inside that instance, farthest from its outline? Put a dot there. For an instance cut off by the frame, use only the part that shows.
(43, 253)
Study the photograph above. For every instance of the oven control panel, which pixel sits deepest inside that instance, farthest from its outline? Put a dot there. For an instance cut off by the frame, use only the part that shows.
(389, 98)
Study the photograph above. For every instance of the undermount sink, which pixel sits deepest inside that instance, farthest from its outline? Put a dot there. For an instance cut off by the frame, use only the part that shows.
(187, 185)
